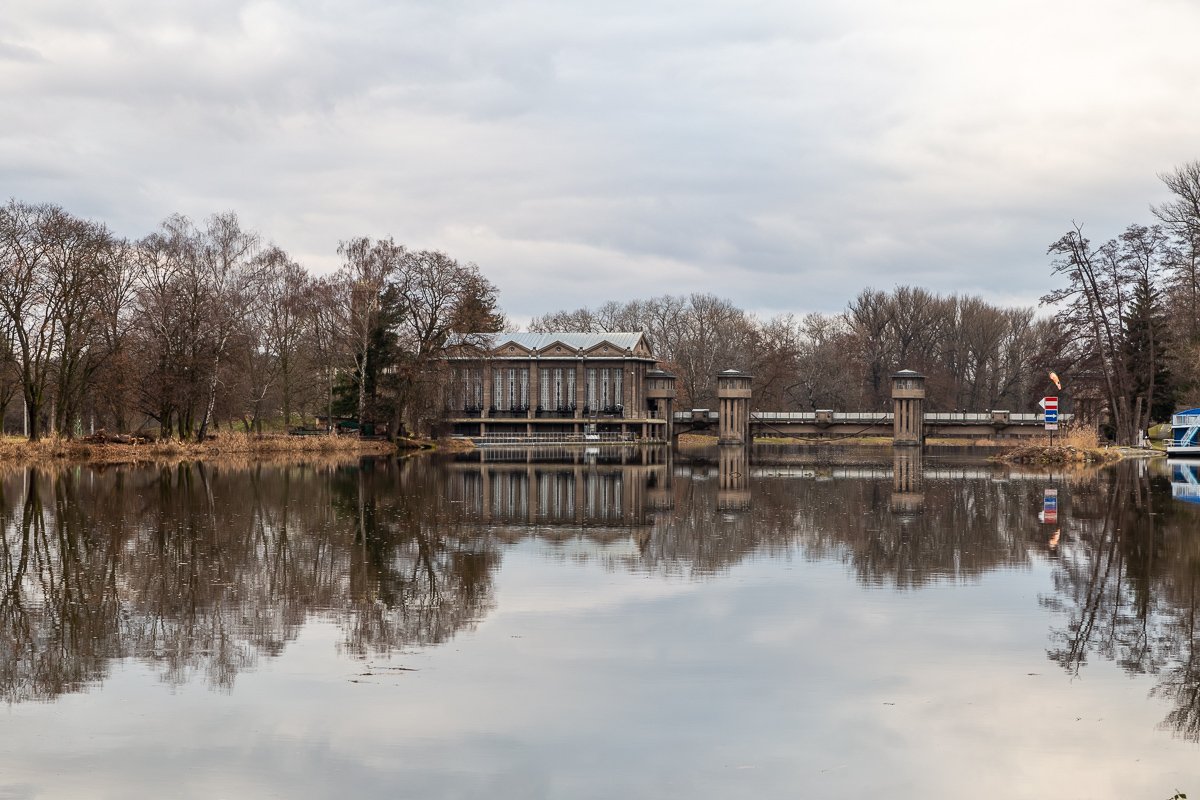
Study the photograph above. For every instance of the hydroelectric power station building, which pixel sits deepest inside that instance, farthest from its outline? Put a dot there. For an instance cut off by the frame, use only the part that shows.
(556, 385)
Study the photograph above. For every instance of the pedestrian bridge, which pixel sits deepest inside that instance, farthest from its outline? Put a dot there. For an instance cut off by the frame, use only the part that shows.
(828, 424)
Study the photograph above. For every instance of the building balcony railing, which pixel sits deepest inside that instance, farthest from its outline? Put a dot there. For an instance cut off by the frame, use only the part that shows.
(512, 413)
(604, 411)
(569, 411)
(561, 412)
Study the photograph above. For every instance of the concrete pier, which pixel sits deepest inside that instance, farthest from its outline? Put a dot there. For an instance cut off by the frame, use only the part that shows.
(733, 396)
(908, 402)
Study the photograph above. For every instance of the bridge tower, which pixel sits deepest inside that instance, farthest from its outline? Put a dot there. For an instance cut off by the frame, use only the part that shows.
(660, 389)
(908, 401)
(733, 397)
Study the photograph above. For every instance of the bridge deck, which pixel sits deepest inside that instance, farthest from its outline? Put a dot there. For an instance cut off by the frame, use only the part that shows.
(875, 417)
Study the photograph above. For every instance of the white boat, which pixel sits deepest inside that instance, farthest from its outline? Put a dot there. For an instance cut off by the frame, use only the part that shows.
(1185, 434)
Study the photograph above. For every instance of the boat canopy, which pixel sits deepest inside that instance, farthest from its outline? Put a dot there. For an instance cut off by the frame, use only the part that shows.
(1184, 419)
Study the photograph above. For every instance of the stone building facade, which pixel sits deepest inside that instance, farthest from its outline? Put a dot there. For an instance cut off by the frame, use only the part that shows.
(543, 384)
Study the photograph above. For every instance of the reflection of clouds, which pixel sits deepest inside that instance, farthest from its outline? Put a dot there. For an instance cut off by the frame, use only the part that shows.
(577, 590)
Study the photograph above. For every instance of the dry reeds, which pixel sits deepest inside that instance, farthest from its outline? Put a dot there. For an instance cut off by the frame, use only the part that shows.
(1071, 446)
(220, 445)
(688, 440)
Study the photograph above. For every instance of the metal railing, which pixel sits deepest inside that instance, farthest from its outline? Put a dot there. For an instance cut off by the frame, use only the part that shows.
(881, 417)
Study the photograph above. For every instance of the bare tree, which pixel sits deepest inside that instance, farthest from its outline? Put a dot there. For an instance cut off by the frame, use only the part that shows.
(287, 295)
(80, 261)
(1093, 306)
(116, 318)
(870, 318)
(365, 271)
(1180, 217)
(328, 336)
(225, 256)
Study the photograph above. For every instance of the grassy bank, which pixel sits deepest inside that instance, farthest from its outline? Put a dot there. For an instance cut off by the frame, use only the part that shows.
(221, 445)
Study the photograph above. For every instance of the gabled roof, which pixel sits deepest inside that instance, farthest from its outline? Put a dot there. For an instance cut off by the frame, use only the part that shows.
(537, 341)
(586, 341)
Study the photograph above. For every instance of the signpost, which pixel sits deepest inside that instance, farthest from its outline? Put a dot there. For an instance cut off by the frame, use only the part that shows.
(1050, 405)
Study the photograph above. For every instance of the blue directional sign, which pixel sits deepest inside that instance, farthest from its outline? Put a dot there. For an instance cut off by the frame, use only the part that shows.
(1050, 406)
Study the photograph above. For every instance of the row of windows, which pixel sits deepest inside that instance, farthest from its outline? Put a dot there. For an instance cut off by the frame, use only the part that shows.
(603, 389)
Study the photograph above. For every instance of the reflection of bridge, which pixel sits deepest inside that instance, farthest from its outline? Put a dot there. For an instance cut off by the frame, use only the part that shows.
(881, 472)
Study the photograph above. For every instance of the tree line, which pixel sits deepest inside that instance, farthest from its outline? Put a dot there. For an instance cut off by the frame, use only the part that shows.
(1130, 309)
(975, 355)
(1122, 336)
(198, 326)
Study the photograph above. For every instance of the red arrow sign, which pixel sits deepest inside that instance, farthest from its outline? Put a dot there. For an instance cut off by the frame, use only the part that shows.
(1048, 403)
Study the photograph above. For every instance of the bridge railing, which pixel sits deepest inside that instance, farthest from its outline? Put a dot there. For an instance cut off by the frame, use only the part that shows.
(883, 417)
(956, 416)
(1039, 418)
(784, 416)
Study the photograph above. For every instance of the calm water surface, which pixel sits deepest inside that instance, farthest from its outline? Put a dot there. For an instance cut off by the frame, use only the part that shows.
(598, 626)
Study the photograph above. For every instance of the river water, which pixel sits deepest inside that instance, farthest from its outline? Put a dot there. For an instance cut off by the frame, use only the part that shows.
(600, 624)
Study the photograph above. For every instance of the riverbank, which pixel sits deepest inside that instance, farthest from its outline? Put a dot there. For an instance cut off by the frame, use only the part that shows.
(1059, 454)
(14, 449)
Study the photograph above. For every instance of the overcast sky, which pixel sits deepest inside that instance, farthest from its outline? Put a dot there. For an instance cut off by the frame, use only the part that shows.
(783, 154)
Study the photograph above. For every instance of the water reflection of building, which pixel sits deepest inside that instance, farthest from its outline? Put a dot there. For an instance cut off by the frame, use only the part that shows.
(612, 489)
(1185, 481)
(733, 476)
(908, 499)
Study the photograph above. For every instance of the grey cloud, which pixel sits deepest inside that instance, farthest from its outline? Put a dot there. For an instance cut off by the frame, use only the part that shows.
(783, 154)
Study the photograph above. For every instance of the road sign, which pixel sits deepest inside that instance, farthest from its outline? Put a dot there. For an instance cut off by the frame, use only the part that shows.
(1050, 404)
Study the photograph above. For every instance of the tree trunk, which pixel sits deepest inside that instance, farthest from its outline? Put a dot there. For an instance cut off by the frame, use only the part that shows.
(33, 411)
(211, 405)
(362, 392)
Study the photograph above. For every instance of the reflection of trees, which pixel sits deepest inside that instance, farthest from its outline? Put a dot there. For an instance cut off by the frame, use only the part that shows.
(1128, 585)
(201, 570)
(971, 525)
(701, 519)
(58, 610)
(417, 575)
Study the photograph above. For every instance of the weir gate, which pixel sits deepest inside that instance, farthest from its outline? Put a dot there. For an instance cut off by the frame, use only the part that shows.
(908, 424)
(825, 425)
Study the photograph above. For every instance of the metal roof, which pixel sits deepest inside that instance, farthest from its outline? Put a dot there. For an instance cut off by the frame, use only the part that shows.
(536, 341)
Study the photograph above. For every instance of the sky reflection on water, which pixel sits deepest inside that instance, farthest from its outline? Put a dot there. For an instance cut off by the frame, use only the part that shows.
(661, 628)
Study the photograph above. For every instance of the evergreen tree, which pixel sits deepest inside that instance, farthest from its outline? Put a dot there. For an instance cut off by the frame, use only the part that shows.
(1146, 344)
